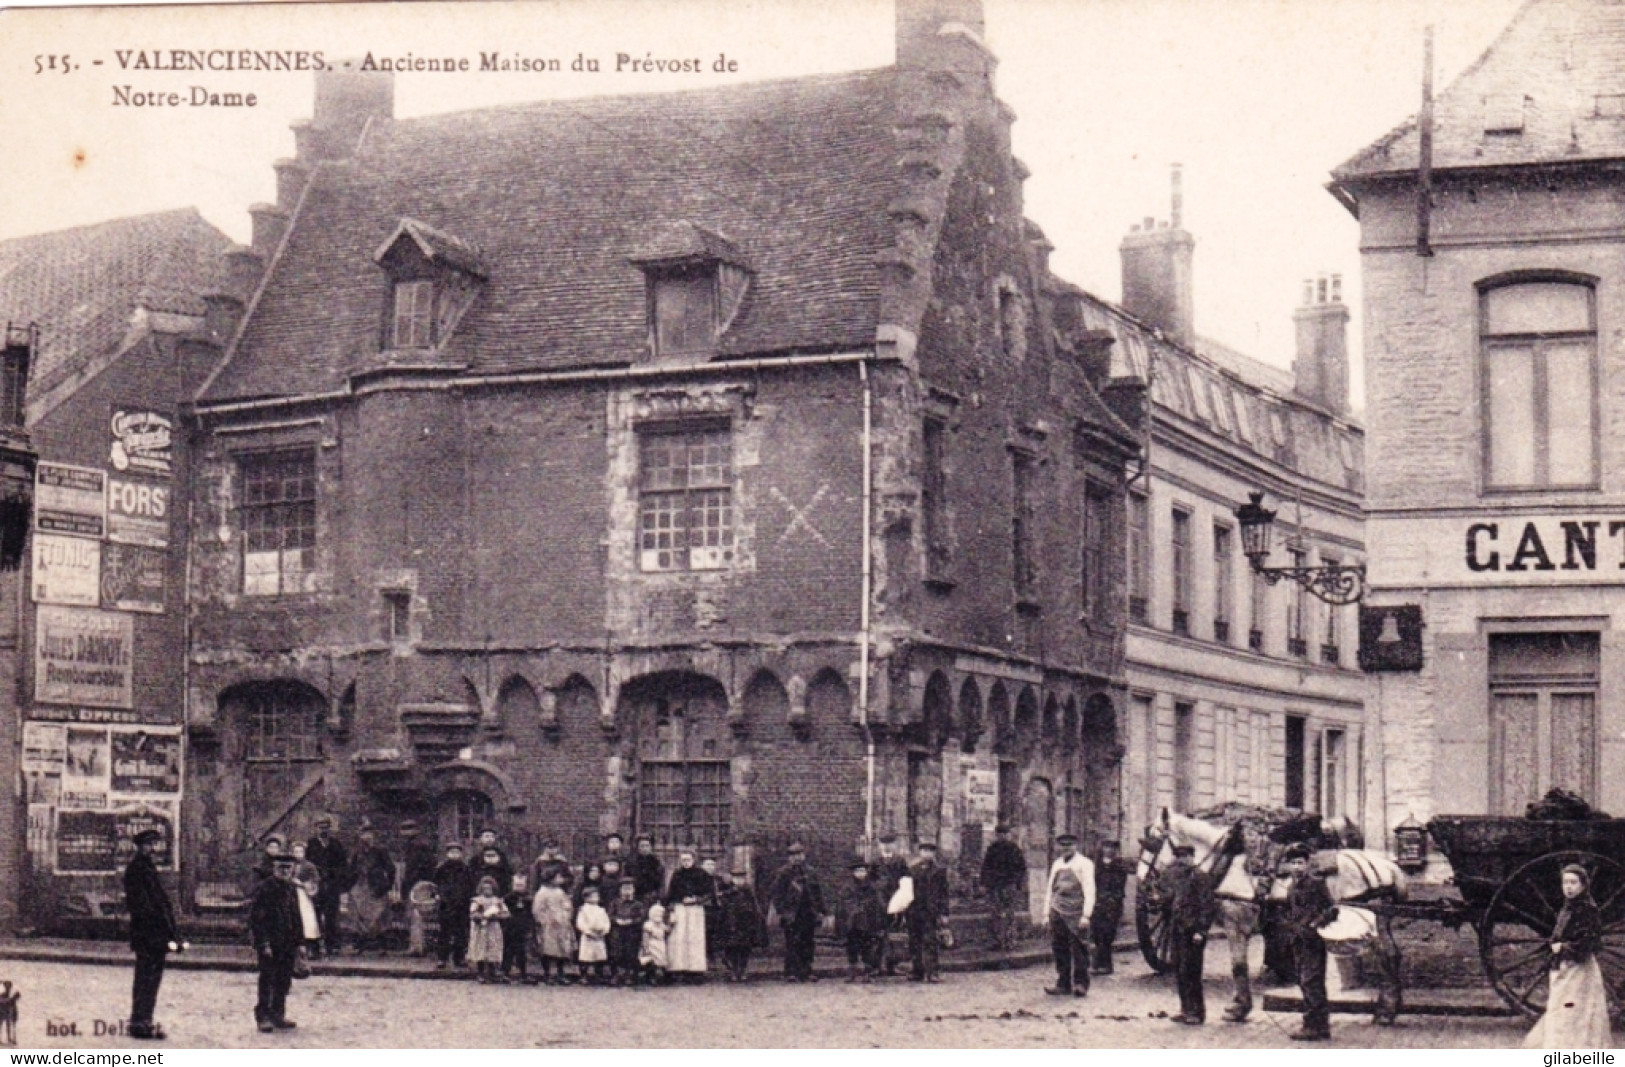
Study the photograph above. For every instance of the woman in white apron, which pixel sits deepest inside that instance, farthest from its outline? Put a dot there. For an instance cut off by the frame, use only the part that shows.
(690, 890)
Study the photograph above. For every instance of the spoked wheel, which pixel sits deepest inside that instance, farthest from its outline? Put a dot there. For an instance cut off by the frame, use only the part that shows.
(1514, 935)
(1151, 922)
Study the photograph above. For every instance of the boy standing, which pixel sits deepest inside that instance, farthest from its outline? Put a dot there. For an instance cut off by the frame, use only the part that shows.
(863, 911)
(1308, 908)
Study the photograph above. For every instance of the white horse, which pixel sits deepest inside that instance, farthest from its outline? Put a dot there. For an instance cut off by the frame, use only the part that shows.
(1360, 875)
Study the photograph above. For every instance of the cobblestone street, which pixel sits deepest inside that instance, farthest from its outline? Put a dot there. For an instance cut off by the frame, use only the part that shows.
(981, 1009)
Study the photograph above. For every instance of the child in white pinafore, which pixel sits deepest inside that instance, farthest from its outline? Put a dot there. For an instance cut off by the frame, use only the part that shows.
(592, 923)
(652, 953)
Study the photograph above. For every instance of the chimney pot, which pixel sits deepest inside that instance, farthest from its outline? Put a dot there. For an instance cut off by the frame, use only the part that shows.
(1337, 288)
(1150, 223)
(1320, 289)
(1176, 186)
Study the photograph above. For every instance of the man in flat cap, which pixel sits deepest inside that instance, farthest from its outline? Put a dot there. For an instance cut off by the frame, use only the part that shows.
(1111, 887)
(1069, 901)
(1192, 908)
(1004, 877)
(153, 933)
(927, 914)
(1309, 907)
(276, 929)
(799, 901)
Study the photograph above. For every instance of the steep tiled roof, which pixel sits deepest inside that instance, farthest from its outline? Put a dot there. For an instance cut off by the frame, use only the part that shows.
(83, 286)
(1551, 89)
(560, 196)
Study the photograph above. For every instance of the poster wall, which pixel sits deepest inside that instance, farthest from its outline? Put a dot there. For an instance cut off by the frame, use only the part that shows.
(70, 500)
(91, 789)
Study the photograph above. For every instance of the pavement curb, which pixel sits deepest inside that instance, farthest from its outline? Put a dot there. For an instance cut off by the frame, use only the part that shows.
(241, 960)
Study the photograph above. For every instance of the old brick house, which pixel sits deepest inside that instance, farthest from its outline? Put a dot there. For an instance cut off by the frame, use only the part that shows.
(712, 464)
(1493, 350)
(93, 654)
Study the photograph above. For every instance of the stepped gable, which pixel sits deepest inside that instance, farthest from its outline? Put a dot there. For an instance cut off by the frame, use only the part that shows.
(84, 286)
(559, 197)
(1551, 89)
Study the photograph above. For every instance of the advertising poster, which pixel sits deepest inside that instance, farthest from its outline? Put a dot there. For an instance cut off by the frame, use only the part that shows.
(70, 500)
(145, 762)
(133, 577)
(143, 441)
(91, 789)
(67, 570)
(83, 656)
(137, 512)
(981, 796)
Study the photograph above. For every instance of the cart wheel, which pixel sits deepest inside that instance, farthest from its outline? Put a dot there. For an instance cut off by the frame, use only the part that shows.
(1513, 935)
(1151, 922)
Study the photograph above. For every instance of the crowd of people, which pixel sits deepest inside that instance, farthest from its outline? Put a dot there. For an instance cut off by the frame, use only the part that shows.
(623, 919)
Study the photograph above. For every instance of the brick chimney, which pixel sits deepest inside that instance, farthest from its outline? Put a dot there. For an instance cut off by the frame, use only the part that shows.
(945, 36)
(1321, 368)
(346, 100)
(1157, 261)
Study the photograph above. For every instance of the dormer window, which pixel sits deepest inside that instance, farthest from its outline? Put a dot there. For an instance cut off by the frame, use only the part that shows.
(684, 310)
(696, 281)
(414, 315)
(434, 278)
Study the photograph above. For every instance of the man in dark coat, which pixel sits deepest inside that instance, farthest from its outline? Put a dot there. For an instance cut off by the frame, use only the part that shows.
(152, 933)
(332, 860)
(1309, 907)
(1004, 877)
(1191, 911)
(928, 912)
(277, 931)
(455, 888)
(889, 871)
(799, 901)
(647, 874)
(1111, 886)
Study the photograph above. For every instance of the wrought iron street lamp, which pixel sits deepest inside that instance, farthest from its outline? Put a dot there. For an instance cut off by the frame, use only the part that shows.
(1335, 584)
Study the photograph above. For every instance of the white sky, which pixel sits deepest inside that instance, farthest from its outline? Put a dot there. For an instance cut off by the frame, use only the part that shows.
(1258, 99)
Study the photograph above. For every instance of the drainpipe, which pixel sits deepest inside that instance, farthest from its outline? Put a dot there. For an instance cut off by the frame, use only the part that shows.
(863, 621)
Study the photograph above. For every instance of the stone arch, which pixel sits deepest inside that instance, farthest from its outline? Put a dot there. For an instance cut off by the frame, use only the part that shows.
(998, 714)
(937, 713)
(765, 699)
(682, 748)
(1102, 765)
(970, 714)
(1026, 721)
(1050, 728)
(570, 707)
(517, 705)
(829, 699)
